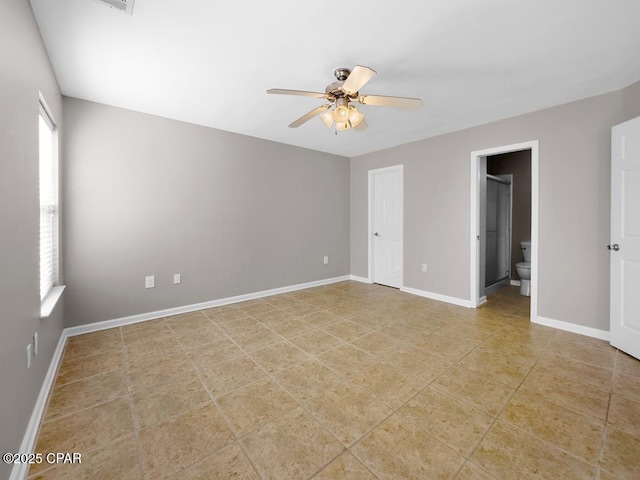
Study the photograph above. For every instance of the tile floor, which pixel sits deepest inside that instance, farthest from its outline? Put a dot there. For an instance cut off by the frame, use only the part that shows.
(346, 381)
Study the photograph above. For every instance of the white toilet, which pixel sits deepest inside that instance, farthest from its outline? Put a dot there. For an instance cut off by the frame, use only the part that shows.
(524, 269)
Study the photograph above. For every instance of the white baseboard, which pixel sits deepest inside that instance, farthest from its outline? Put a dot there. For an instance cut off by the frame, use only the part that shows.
(437, 296)
(356, 278)
(515, 283)
(20, 470)
(143, 317)
(574, 328)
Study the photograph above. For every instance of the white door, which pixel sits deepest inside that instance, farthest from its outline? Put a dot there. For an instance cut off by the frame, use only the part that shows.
(387, 226)
(625, 237)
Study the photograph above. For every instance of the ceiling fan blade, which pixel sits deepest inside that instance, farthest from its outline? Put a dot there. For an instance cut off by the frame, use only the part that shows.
(313, 113)
(357, 79)
(395, 102)
(301, 93)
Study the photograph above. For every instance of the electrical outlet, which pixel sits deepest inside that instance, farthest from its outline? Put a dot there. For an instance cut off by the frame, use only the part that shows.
(150, 281)
(326, 260)
(28, 356)
(35, 344)
(176, 278)
(424, 267)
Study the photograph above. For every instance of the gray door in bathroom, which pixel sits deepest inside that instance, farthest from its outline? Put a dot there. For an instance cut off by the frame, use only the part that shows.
(625, 237)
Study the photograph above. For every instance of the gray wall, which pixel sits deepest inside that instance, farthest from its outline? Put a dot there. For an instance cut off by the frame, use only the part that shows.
(517, 164)
(233, 214)
(574, 204)
(24, 70)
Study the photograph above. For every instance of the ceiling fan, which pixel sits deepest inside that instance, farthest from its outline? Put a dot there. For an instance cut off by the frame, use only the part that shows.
(339, 112)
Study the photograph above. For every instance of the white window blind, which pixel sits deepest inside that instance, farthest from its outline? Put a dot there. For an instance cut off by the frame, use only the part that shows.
(48, 203)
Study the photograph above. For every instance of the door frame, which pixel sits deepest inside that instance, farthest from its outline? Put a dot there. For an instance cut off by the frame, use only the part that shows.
(474, 237)
(370, 223)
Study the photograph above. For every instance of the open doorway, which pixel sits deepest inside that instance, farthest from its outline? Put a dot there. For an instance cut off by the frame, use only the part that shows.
(502, 240)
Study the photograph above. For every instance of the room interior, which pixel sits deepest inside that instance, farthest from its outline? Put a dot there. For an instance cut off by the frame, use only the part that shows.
(246, 210)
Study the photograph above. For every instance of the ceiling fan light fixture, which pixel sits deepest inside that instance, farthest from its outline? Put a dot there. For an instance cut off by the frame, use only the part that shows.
(327, 118)
(341, 127)
(355, 117)
(341, 112)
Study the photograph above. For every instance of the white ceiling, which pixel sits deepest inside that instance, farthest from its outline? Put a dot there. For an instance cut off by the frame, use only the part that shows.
(471, 62)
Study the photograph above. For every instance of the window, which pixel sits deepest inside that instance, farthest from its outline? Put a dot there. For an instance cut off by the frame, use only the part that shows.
(48, 201)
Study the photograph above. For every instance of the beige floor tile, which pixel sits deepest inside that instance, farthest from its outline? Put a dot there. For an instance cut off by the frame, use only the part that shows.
(256, 339)
(159, 404)
(600, 378)
(174, 365)
(93, 343)
(347, 412)
(473, 472)
(307, 379)
(240, 325)
(518, 352)
(221, 378)
(188, 322)
(624, 415)
(404, 334)
(621, 454)
(347, 360)
(388, 383)
(145, 330)
(627, 385)
(627, 364)
(346, 331)
(599, 357)
(258, 308)
(375, 343)
(216, 352)
(144, 375)
(228, 463)
(279, 451)
(255, 404)
(321, 319)
(119, 460)
(570, 431)
(397, 449)
(199, 336)
(507, 452)
(73, 369)
(86, 430)
(345, 309)
(416, 361)
(301, 309)
(482, 392)
(224, 314)
(72, 397)
(171, 446)
(447, 418)
(372, 319)
(450, 347)
(316, 342)
(290, 327)
(575, 396)
(346, 467)
(56, 472)
(152, 349)
(563, 336)
(279, 356)
(499, 367)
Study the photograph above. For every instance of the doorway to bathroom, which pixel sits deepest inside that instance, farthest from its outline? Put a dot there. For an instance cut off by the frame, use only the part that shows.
(504, 213)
